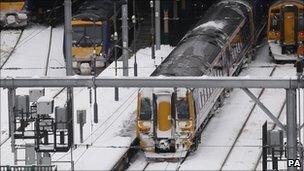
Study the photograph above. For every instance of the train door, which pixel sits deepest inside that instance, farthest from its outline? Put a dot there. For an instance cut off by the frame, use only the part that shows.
(289, 28)
(164, 128)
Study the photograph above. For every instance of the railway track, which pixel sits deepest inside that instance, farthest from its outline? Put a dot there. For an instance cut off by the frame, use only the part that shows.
(272, 128)
(46, 70)
(164, 165)
(13, 49)
(246, 122)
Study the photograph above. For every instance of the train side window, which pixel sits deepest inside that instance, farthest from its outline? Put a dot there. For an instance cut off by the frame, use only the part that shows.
(145, 109)
(201, 99)
(301, 20)
(182, 109)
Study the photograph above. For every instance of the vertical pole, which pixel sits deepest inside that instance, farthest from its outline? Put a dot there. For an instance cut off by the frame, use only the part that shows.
(125, 39)
(152, 30)
(11, 116)
(81, 132)
(68, 36)
(264, 148)
(157, 24)
(166, 26)
(175, 12)
(69, 69)
(116, 95)
(291, 115)
(134, 37)
(95, 103)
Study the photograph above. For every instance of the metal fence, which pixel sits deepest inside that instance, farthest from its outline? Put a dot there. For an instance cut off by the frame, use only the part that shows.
(28, 168)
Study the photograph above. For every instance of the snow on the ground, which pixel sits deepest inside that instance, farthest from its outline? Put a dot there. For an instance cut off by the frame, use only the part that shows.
(107, 140)
(220, 133)
(223, 128)
(29, 58)
(113, 116)
(246, 154)
(8, 39)
(139, 163)
(56, 60)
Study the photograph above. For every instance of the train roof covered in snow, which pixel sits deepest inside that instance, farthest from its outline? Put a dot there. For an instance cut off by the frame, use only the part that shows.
(97, 9)
(200, 46)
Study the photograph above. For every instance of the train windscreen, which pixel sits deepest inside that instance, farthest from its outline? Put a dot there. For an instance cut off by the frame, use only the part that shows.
(145, 109)
(301, 20)
(87, 35)
(182, 109)
(275, 20)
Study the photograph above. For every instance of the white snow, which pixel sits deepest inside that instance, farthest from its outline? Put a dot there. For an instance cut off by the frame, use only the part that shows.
(108, 139)
(222, 130)
(214, 24)
(8, 39)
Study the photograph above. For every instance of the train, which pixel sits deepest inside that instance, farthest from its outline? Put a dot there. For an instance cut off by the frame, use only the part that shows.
(286, 30)
(50, 12)
(92, 27)
(169, 121)
(13, 14)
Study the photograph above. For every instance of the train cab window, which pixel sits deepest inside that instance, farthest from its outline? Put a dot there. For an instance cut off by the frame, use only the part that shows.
(145, 109)
(182, 109)
(301, 20)
(275, 22)
(87, 35)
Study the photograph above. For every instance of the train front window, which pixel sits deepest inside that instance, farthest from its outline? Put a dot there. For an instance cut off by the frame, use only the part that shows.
(87, 35)
(145, 109)
(182, 109)
(275, 26)
(301, 20)
(275, 20)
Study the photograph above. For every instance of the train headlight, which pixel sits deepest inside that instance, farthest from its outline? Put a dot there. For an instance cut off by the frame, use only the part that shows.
(274, 35)
(185, 125)
(144, 126)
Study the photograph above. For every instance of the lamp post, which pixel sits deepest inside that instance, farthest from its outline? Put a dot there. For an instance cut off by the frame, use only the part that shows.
(116, 91)
(152, 30)
(134, 34)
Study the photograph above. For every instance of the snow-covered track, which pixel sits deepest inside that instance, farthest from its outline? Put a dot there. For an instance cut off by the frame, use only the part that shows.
(272, 128)
(242, 129)
(49, 53)
(124, 162)
(12, 50)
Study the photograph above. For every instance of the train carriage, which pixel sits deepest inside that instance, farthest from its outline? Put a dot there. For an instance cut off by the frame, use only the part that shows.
(286, 30)
(92, 29)
(49, 11)
(170, 121)
(12, 13)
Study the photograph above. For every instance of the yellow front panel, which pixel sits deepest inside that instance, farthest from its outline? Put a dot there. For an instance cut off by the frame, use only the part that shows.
(76, 22)
(289, 34)
(85, 52)
(163, 116)
(11, 6)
